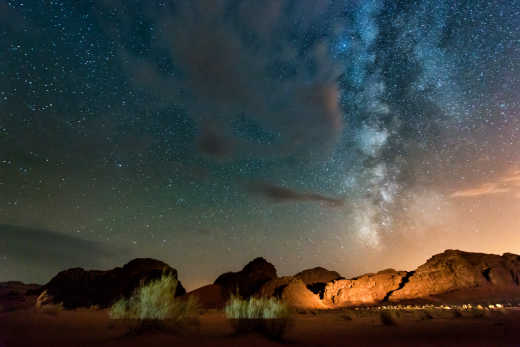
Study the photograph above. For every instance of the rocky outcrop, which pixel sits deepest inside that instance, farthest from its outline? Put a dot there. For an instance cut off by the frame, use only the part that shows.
(210, 296)
(17, 295)
(292, 291)
(248, 281)
(368, 289)
(463, 275)
(451, 277)
(82, 288)
(317, 275)
(317, 278)
(274, 287)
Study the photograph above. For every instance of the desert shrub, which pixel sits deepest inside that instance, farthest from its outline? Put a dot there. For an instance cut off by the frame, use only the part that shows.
(388, 318)
(255, 308)
(153, 303)
(268, 316)
(44, 304)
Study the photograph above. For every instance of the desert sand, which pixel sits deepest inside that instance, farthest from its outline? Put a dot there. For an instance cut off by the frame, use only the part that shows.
(83, 327)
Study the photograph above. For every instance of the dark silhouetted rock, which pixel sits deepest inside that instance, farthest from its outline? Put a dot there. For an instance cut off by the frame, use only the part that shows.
(364, 290)
(14, 295)
(463, 276)
(317, 275)
(248, 281)
(81, 288)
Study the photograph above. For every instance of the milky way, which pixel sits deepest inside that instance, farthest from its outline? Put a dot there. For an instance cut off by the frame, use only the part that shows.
(311, 132)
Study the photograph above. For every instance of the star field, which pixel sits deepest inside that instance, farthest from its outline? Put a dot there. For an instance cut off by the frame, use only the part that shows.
(205, 134)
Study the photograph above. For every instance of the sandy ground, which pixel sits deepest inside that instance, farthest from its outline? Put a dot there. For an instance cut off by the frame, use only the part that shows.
(26, 327)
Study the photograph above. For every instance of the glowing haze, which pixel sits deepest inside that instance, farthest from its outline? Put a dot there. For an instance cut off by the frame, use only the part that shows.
(354, 135)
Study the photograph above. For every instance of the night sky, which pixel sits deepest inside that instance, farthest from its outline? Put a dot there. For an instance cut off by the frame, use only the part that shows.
(355, 135)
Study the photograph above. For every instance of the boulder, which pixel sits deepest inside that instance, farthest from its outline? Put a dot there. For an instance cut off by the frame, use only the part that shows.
(317, 275)
(465, 276)
(317, 278)
(83, 288)
(274, 287)
(293, 291)
(248, 281)
(367, 289)
(210, 296)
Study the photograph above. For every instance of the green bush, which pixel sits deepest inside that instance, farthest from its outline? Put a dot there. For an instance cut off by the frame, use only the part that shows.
(268, 316)
(155, 302)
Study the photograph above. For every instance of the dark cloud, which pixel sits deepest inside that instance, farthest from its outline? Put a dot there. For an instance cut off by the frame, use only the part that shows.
(214, 144)
(222, 66)
(45, 252)
(282, 194)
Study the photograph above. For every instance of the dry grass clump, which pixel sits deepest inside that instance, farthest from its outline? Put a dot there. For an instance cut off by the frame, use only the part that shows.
(268, 316)
(44, 304)
(153, 304)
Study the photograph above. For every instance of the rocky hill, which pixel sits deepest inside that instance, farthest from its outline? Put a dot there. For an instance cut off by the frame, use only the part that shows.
(463, 274)
(450, 277)
(249, 280)
(83, 288)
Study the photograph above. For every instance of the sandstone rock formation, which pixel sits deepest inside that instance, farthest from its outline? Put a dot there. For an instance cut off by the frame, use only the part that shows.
(450, 277)
(292, 291)
(248, 281)
(274, 287)
(367, 289)
(210, 296)
(81, 288)
(317, 278)
(464, 275)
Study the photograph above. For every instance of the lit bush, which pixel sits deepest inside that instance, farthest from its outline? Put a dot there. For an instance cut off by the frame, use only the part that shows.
(255, 308)
(268, 316)
(155, 302)
(44, 304)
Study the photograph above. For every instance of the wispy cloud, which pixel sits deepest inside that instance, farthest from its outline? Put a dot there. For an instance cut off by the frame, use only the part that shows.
(514, 178)
(507, 184)
(28, 245)
(282, 194)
